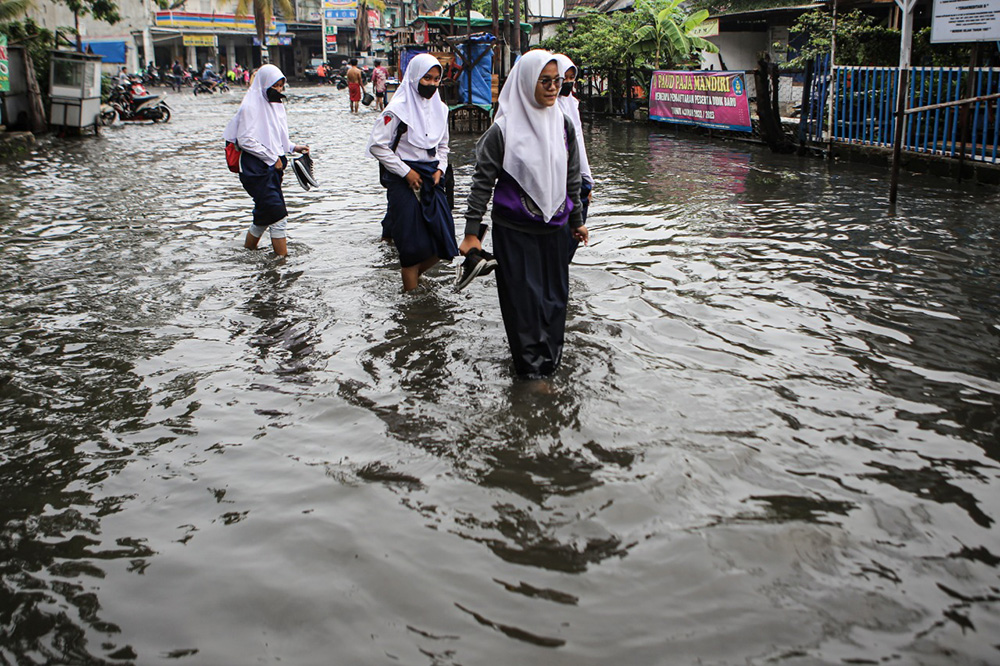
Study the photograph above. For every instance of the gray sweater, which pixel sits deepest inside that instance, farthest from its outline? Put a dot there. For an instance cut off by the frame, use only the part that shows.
(489, 164)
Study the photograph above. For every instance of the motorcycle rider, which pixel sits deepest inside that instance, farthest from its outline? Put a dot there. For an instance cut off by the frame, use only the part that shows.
(123, 79)
(210, 77)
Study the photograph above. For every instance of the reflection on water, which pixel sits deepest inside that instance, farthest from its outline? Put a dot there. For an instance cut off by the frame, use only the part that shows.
(773, 437)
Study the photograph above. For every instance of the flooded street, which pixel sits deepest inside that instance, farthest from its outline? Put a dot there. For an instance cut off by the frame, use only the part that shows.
(773, 438)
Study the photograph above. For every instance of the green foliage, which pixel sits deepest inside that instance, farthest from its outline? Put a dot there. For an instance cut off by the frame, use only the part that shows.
(734, 6)
(595, 40)
(926, 54)
(11, 9)
(37, 40)
(484, 7)
(860, 39)
(656, 34)
(102, 10)
(662, 34)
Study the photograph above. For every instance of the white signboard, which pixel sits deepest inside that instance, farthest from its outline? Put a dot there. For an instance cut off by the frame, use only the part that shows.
(546, 8)
(965, 21)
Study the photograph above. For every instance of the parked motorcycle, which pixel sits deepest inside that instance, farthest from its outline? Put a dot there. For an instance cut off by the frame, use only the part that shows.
(134, 104)
(204, 86)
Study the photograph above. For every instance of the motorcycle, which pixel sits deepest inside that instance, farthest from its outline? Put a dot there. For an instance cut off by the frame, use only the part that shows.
(206, 86)
(134, 105)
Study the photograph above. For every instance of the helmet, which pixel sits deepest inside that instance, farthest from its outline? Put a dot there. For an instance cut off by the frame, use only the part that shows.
(208, 65)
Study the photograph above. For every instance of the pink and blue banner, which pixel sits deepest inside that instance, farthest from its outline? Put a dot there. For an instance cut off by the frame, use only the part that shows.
(709, 99)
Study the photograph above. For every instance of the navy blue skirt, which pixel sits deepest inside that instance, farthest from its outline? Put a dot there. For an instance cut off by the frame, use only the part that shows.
(422, 227)
(263, 183)
(533, 285)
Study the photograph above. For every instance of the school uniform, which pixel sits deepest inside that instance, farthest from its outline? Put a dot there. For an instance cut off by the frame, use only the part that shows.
(260, 130)
(528, 162)
(412, 133)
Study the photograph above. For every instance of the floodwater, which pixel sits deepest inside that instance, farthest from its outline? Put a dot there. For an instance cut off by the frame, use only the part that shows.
(773, 439)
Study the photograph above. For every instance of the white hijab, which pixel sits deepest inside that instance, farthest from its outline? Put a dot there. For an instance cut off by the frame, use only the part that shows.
(256, 117)
(570, 105)
(426, 119)
(534, 135)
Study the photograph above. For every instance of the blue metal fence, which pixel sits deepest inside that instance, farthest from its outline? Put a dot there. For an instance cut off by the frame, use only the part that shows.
(864, 103)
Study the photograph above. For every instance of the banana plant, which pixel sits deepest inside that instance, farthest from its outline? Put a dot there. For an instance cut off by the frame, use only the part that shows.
(664, 31)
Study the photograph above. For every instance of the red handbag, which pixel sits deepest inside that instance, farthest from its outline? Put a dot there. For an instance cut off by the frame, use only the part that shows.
(233, 154)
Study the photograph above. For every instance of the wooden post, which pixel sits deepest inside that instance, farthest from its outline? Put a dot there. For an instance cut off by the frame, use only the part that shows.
(506, 39)
(516, 41)
(963, 114)
(804, 109)
(468, 64)
(897, 139)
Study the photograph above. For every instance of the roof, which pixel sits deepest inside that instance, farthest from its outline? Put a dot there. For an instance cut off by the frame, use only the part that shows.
(461, 21)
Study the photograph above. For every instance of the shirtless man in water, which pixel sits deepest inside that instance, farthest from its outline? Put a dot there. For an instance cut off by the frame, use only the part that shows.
(354, 80)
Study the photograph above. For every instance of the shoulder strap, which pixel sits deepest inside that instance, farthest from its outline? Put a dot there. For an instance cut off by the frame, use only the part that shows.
(399, 135)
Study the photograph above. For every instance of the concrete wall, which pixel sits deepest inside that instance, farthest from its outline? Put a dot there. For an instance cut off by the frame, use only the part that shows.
(739, 50)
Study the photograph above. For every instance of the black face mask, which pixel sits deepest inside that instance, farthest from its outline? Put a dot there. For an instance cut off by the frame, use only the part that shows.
(567, 89)
(426, 90)
(274, 97)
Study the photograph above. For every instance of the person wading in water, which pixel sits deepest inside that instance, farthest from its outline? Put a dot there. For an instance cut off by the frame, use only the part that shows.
(260, 130)
(528, 161)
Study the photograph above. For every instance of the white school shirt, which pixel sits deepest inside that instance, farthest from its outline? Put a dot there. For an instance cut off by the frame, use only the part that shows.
(382, 136)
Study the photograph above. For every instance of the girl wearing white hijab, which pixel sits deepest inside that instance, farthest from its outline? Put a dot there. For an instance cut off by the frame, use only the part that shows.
(410, 141)
(570, 105)
(260, 130)
(528, 161)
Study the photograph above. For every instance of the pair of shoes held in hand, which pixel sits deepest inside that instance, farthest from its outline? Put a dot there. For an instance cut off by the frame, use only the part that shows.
(477, 262)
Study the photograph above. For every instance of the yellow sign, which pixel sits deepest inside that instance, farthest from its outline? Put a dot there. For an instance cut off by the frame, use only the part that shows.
(200, 40)
(708, 28)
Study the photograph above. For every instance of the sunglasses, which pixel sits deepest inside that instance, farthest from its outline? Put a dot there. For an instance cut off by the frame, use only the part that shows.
(549, 82)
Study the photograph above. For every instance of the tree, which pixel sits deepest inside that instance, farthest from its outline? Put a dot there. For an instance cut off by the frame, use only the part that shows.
(11, 9)
(595, 40)
(102, 10)
(362, 33)
(662, 31)
(263, 14)
(860, 39)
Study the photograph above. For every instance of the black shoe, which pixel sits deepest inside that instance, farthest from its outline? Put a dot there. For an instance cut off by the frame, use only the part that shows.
(491, 262)
(469, 269)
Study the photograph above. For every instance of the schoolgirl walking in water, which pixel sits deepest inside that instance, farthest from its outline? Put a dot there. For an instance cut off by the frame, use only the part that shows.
(570, 106)
(260, 130)
(410, 141)
(528, 161)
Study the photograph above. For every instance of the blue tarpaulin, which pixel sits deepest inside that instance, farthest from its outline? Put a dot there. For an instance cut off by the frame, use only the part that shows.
(112, 51)
(482, 70)
(406, 56)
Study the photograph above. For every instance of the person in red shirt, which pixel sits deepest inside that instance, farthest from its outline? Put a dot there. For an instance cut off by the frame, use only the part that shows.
(379, 76)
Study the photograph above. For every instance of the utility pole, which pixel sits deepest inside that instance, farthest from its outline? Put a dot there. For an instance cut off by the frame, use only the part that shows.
(902, 91)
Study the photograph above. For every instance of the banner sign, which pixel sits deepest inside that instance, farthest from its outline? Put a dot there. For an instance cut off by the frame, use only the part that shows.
(709, 99)
(275, 40)
(707, 28)
(213, 21)
(4, 65)
(200, 40)
(965, 21)
(341, 13)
